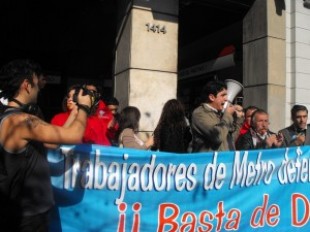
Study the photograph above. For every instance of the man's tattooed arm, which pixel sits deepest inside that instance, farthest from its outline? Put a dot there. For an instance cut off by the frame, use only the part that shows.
(33, 121)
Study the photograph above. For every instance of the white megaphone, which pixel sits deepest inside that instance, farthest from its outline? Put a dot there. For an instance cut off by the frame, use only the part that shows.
(233, 88)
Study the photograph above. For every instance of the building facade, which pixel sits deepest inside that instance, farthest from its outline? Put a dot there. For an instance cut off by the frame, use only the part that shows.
(266, 49)
(297, 54)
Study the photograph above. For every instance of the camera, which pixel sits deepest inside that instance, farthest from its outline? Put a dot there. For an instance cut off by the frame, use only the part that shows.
(94, 96)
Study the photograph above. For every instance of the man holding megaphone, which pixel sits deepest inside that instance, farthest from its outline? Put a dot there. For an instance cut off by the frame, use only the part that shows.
(216, 122)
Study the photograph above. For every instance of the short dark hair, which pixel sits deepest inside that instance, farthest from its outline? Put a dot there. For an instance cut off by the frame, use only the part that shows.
(297, 108)
(111, 101)
(98, 87)
(212, 87)
(15, 72)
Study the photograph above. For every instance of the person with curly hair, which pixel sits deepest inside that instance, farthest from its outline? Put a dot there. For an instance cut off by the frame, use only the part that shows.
(172, 133)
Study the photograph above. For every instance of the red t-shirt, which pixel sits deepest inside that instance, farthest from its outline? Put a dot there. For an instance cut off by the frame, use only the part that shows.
(96, 131)
(60, 119)
(104, 114)
(244, 129)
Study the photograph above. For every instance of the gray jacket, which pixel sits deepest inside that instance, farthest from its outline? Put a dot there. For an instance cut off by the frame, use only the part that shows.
(290, 132)
(212, 132)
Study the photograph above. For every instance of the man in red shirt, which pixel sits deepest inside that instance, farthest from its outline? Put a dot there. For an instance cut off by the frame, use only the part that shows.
(98, 123)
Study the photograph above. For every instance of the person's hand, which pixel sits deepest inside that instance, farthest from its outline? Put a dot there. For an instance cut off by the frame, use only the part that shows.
(84, 99)
(274, 140)
(150, 141)
(72, 115)
(270, 140)
(300, 139)
(74, 111)
(279, 140)
(230, 109)
(239, 111)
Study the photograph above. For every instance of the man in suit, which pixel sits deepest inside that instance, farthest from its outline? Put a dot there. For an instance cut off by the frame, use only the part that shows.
(297, 133)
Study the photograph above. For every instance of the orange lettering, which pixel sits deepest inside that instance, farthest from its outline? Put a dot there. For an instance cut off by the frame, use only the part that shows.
(169, 219)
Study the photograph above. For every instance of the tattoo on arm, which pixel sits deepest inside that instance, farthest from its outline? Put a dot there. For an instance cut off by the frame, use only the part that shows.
(33, 121)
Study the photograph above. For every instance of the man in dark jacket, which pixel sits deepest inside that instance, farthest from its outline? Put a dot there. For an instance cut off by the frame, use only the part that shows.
(297, 133)
(259, 136)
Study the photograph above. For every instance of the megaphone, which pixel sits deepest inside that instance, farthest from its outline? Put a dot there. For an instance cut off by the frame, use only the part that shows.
(233, 88)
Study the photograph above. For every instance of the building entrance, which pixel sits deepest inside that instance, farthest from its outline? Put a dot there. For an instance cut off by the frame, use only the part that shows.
(210, 45)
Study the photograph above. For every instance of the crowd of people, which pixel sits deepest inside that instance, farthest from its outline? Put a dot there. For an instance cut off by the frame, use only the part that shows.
(26, 194)
(214, 126)
(217, 129)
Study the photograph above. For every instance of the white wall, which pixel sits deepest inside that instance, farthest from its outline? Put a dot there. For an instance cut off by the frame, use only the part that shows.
(297, 55)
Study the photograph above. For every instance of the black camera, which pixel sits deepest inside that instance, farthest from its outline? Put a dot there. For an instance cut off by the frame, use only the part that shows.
(94, 96)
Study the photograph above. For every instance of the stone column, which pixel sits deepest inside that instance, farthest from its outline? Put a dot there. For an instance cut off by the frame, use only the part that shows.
(146, 58)
(264, 59)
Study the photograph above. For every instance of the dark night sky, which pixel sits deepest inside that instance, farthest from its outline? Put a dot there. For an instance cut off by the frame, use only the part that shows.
(74, 38)
(69, 38)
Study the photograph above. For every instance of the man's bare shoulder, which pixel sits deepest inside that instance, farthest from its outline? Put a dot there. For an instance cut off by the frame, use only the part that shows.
(14, 130)
(20, 119)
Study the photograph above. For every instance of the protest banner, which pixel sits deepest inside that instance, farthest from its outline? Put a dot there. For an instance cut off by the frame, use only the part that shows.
(101, 188)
